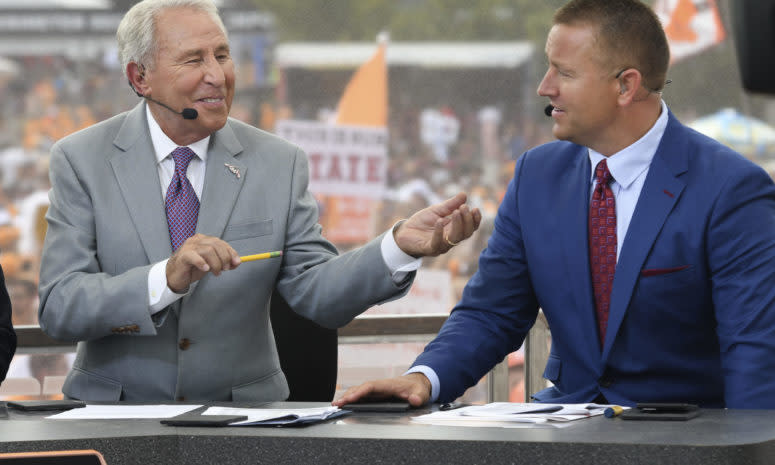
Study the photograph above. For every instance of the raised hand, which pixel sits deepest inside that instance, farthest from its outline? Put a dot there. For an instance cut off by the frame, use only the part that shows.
(434, 230)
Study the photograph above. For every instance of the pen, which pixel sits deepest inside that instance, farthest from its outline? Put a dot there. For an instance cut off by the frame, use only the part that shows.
(261, 256)
(613, 411)
(452, 405)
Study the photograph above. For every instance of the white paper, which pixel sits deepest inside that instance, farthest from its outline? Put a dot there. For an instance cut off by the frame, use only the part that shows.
(510, 413)
(115, 412)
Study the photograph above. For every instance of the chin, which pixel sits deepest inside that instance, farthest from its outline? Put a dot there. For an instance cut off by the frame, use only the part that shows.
(559, 134)
(213, 123)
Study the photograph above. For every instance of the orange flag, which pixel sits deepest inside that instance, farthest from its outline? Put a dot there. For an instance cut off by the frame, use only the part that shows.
(691, 26)
(365, 99)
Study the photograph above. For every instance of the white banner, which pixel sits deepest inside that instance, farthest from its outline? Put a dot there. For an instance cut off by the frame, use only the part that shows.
(431, 292)
(343, 160)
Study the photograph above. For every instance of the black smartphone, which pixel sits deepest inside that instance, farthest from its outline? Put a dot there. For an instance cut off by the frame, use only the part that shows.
(189, 419)
(46, 405)
(661, 411)
(378, 407)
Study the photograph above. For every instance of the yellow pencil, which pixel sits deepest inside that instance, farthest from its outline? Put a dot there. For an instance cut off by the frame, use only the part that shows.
(261, 256)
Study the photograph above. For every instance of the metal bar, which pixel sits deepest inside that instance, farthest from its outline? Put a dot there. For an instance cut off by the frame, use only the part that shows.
(31, 336)
(393, 325)
(536, 355)
(498, 382)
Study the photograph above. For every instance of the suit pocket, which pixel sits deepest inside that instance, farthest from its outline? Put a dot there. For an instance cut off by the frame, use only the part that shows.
(663, 271)
(270, 388)
(552, 370)
(84, 385)
(248, 229)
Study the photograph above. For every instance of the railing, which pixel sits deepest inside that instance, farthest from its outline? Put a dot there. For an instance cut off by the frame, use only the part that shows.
(372, 329)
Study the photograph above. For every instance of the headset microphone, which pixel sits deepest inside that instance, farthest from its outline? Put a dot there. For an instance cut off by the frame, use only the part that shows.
(548, 110)
(187, 113)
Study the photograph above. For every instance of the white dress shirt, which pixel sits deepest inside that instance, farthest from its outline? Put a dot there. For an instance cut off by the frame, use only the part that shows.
(629, 168)
(159, 294)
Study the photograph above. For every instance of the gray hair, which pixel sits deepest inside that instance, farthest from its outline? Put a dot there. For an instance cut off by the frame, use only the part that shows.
(136, 34)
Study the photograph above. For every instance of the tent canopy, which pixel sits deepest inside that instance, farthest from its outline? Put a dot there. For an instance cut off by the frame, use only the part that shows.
(743, 133)
(423, 54)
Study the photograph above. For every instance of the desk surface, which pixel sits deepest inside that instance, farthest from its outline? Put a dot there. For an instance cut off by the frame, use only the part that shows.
(715, 437)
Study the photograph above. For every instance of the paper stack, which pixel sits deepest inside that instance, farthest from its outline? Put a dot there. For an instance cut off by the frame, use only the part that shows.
(277, 417)
(505, 414)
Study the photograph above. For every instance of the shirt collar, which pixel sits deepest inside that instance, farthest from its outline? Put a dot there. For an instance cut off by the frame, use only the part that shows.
(627, 164)
(164, 146)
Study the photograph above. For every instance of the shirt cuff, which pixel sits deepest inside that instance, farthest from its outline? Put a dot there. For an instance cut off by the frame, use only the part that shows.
(399, 263)
(432, 377)
(159, 295)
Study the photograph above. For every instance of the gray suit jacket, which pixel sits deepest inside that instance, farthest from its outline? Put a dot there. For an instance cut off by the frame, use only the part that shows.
(107, 226)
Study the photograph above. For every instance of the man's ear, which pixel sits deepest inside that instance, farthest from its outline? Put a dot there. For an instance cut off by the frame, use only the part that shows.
(136, 75)
(630, 81)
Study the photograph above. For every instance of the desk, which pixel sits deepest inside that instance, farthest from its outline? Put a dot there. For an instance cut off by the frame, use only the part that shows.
(715, 437)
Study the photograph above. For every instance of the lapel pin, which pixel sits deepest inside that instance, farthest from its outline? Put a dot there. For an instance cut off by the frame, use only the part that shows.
(234, 170)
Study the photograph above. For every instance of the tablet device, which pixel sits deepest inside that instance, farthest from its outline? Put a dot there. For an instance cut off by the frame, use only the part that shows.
(378, 407)
(195, 419)
(45, 405)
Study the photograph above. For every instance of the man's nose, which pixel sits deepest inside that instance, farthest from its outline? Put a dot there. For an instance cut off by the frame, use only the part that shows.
(213, 72)
(546, 87)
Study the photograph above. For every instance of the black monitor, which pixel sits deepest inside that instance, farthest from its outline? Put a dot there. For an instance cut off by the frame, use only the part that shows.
(753, 23)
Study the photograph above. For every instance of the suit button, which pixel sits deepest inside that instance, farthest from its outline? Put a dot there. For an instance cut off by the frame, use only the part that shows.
(605, 381)
(184, 343)
(181, 398)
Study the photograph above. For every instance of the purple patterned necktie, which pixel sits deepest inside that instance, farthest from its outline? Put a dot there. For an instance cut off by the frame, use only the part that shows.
(182, 203)
(602, 244)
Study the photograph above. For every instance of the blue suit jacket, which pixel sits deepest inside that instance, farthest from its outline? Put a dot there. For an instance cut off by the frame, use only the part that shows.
(692, 315)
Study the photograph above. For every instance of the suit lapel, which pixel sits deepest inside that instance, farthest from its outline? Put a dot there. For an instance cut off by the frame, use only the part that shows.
(576, 253)
(661, 191)
(134, 166)
(224, 177)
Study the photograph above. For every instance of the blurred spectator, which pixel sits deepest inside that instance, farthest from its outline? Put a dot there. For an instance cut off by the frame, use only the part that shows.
(23, 290)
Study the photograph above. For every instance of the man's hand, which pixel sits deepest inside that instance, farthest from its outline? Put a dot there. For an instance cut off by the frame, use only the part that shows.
(434, 230)
(414, 388)
(198, 256)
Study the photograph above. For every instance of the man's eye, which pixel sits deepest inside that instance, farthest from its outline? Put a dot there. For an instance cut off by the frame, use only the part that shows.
(223, 57)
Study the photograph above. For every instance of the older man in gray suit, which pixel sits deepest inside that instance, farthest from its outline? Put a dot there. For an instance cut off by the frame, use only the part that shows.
(152, 209)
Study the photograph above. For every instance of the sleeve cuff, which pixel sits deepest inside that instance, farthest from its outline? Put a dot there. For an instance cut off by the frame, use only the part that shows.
(399, 263)
(432, 377)
(159, 295)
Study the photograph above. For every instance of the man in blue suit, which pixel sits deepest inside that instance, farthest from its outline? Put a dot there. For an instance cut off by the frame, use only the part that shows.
(687, 313)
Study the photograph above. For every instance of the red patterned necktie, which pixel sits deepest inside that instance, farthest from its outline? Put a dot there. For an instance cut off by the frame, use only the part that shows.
(602, 244)
(182, 203)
